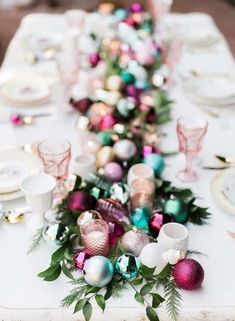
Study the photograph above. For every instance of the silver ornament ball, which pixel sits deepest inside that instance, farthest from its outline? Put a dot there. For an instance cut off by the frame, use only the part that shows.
(125, 149)
(98, 271)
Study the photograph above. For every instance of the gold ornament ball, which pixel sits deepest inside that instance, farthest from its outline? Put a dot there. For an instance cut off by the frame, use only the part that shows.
(114, 83)
(106, 8)
(104, 155)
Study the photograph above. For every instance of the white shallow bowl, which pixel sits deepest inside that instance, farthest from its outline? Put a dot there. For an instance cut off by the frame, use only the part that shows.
(219, 191)
(25, 91)
(20, 163)
(40, 41)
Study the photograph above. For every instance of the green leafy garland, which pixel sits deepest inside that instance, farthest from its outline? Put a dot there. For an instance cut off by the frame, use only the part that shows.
(147, 284)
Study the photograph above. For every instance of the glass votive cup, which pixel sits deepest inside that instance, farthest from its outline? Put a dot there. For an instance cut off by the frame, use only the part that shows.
(95, 237)
(142, 192)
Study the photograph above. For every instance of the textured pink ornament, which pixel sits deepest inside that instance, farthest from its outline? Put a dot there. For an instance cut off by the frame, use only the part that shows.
(136, 7)
(16, 119)
(143, 107)
(81, 201)
(134, 241)
(116, 230)
(113, 171)
(94, 59)
(80, 258)
(130, 22)
(112, 210)
(108, 121)
(144, 56)
(188, 274)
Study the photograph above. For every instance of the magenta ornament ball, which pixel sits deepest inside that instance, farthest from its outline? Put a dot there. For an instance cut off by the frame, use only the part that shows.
(108, 121)
(188, 274)
(113, 171)
(116, 230)
(80, 258)
(94, 59)
(81, 201)
(136, 7)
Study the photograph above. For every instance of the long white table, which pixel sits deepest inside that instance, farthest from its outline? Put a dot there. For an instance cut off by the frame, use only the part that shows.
(25, 297)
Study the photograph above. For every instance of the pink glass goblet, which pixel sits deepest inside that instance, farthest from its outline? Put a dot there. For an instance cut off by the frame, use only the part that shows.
(68, 67)
(191, 132)
(55, 154)
(95, 237)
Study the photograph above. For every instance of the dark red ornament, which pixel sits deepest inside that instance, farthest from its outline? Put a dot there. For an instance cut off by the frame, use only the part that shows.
(157, 220)
(112, 210)
(133, 91)
(80, 257)
(188, 274)
(81, 105)
(81, 201)
(94, 59)
(116, 230)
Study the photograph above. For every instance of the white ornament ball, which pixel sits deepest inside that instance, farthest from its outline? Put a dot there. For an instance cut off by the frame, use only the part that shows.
(114, 83)
(113, 97)
(172, 256)
(152, 256)
(124, 149)
(138, 71)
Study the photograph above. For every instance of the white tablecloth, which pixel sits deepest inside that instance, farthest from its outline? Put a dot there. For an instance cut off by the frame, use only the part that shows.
(24, 296)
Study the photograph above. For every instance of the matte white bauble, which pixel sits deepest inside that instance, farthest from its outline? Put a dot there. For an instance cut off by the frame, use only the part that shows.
(152, 256)
(124, 149)
(138, 71)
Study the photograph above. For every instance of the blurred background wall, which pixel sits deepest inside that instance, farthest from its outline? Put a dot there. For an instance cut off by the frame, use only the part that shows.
(12, 11)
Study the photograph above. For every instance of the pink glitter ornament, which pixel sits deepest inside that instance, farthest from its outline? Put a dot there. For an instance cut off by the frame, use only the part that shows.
(134, 241)
(81, 201)
(16, 119)
(113, 171)
(94, 59)
(148, 149)
(80, 258)
(108, 121)
(136, 7)
(116, 230)
(188, 274)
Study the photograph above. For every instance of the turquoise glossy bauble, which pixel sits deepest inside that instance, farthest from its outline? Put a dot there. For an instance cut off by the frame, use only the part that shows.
(98, 271)
(105, 137)
(128, 266)
(140, 217)
(127, 77)
(141, 84)
(177, 209)
(155, 161)
(121, 14)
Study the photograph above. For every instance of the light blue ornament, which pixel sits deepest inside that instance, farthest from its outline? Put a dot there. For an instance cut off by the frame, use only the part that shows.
(128, 266)
(155, 161)
(140, 217)
(142, 84)
(98, 271)
(121, 14)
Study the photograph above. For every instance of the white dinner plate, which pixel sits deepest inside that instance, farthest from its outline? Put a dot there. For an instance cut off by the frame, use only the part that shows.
(210, 89)
(18, 164)
(26, 91)
(40, 41)
(222, 187)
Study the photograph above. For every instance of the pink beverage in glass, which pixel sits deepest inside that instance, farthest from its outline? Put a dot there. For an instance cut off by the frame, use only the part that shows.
(68, 66)
(56, 155)
(191, 132)
(95, 237)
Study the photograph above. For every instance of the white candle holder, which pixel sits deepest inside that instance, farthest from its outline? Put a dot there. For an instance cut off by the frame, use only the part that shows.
(84, 165)
(174, 236)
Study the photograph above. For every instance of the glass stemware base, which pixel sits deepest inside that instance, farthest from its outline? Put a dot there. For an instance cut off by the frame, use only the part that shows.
(187, 176)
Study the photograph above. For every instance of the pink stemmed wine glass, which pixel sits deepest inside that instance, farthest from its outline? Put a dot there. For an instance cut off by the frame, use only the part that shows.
(55, 154)
(191, 132)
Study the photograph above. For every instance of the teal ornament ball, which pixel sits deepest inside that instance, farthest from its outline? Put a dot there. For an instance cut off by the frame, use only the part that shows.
(142, 84)
(121, 14)
(128, 266)
(127, 77)
(98, 271)
(140, 217)
(105, 138)
(177, 209)
(125, 107)
(156, 161)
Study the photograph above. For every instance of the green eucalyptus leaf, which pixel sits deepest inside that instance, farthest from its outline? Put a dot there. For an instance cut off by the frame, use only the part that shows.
(51, 270)
(139, 298)
(100, 301)
(147, 272)
(146, 288)
(137, 282)
(151, 314)
(66, 271)
(157, 300)
(165, 273)
(87, 311)
(79, 305)
(54, 275)
(58, 255)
